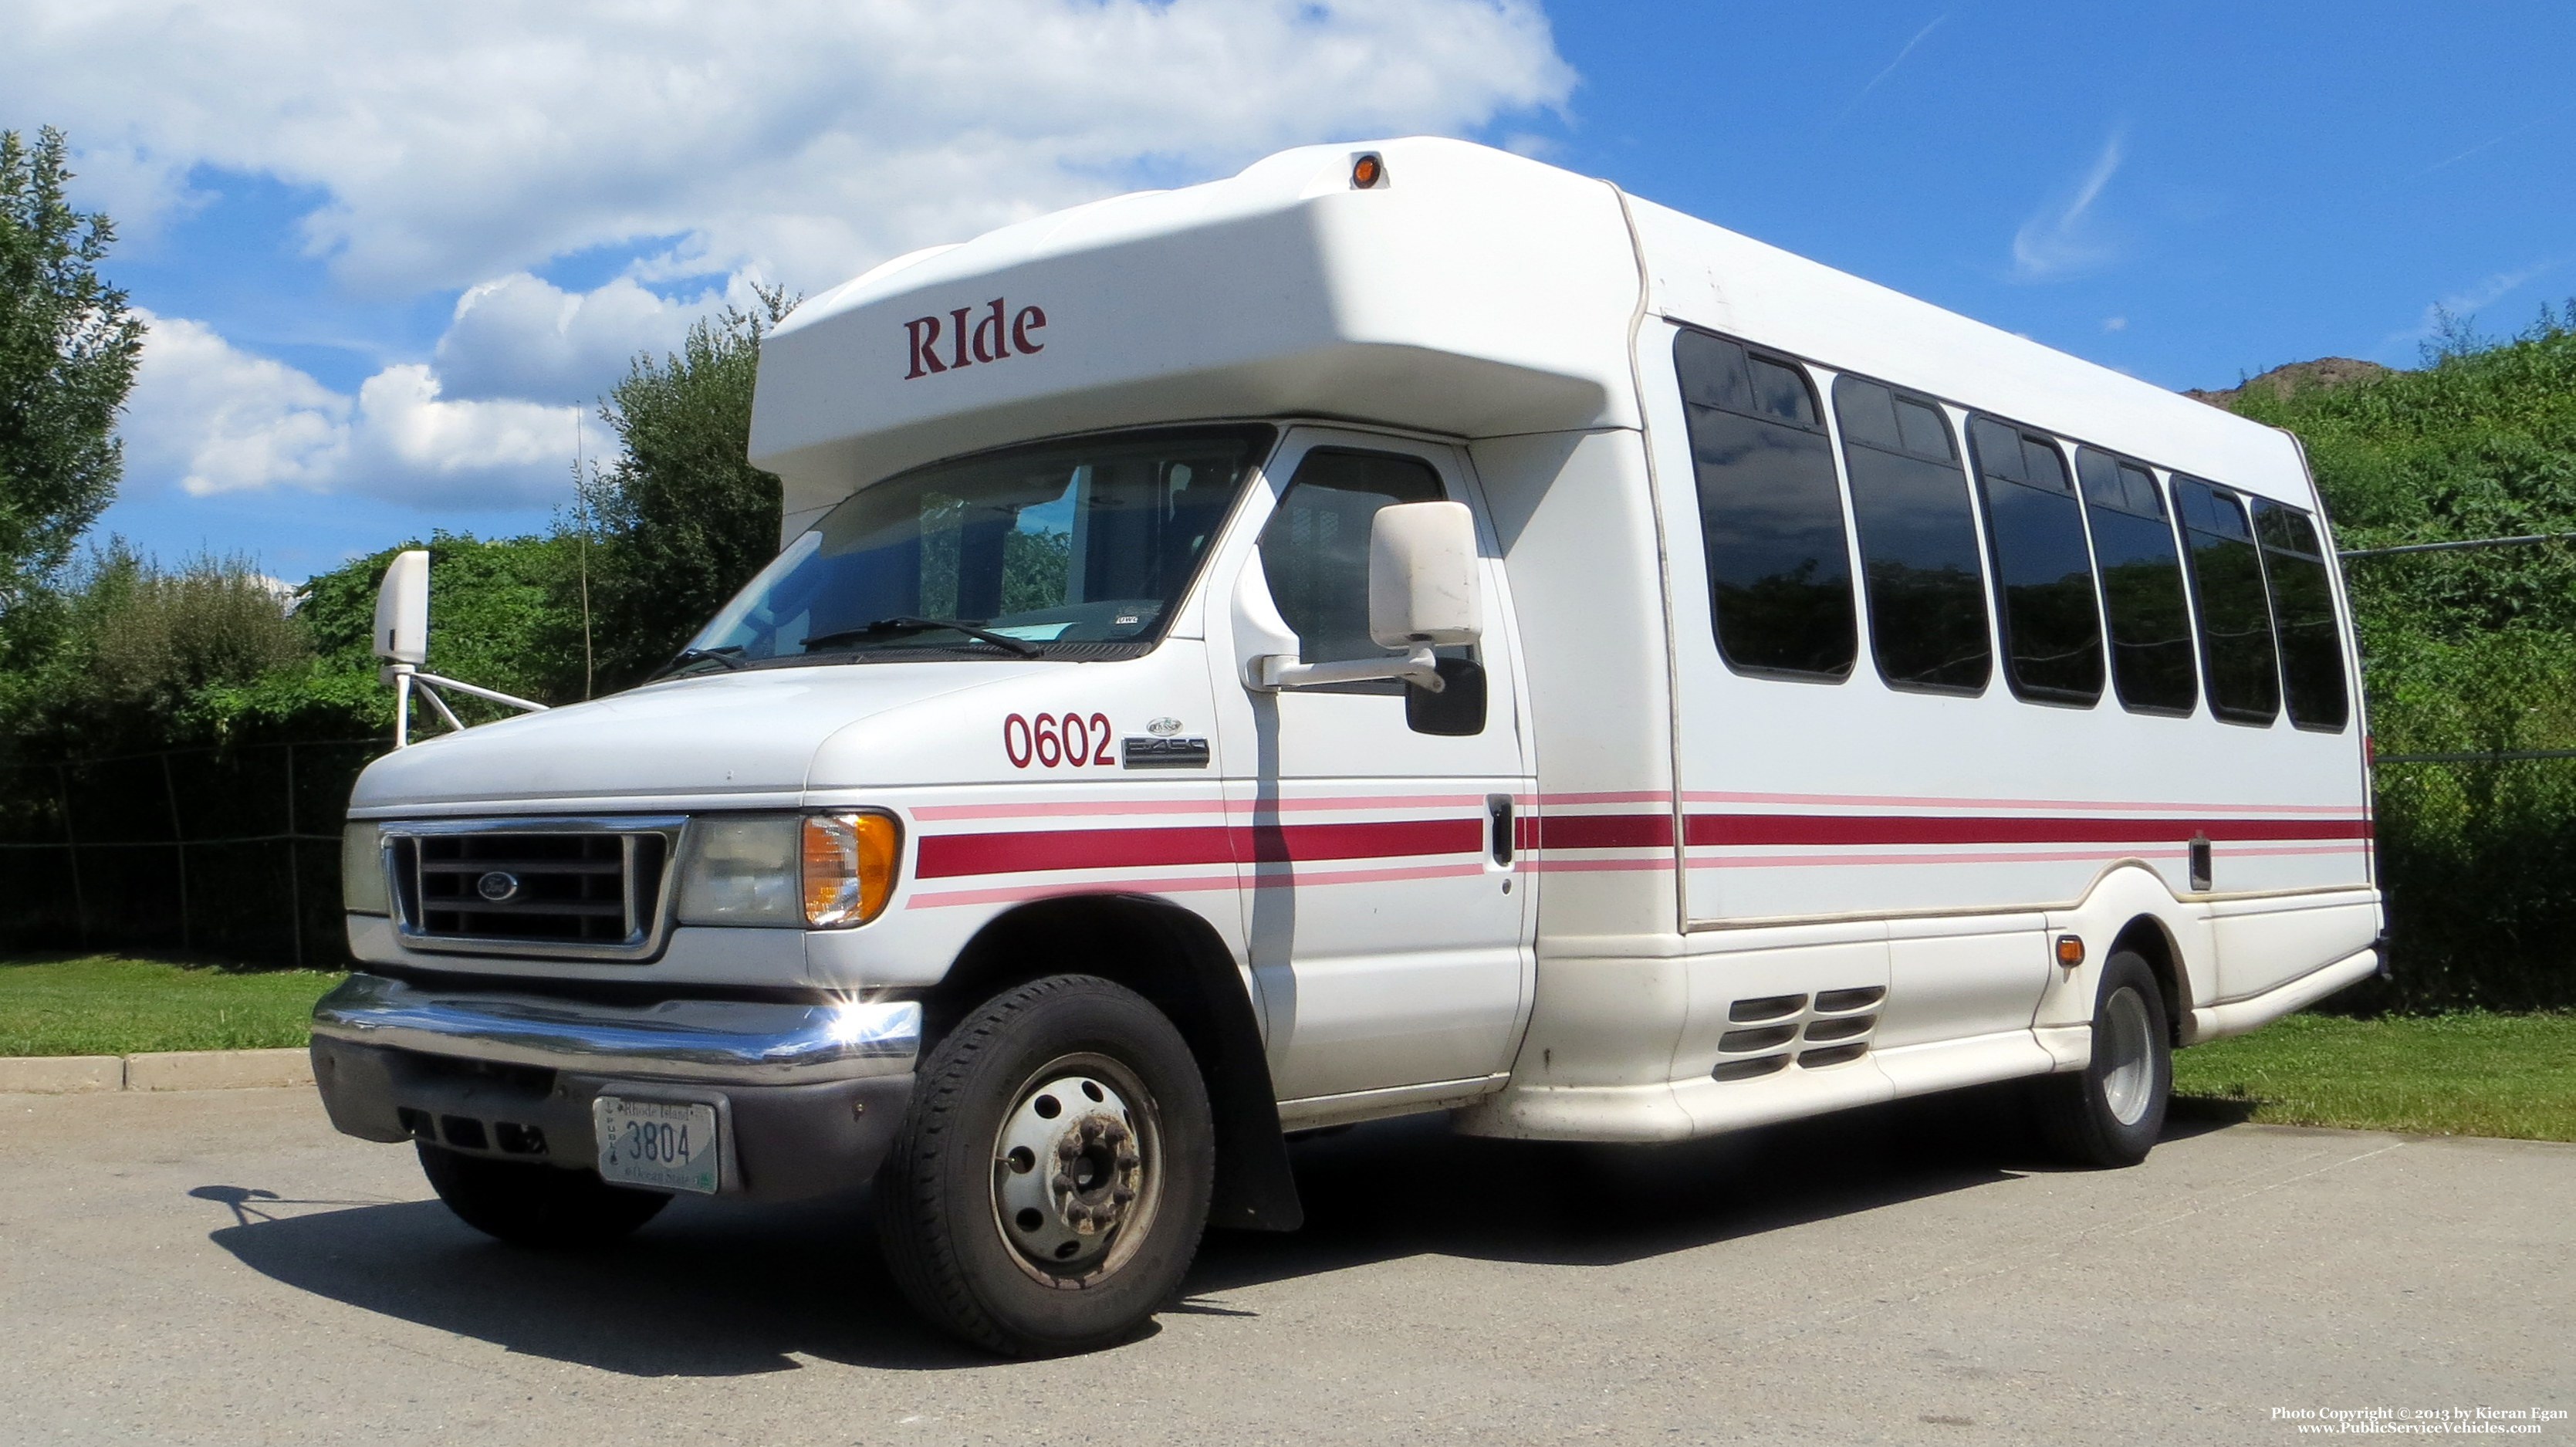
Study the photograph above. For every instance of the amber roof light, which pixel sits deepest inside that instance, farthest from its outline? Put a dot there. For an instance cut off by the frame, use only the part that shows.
(1368, 172)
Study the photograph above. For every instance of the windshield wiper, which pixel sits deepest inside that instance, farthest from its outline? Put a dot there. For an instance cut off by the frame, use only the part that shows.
(687, 656)
(886, 627)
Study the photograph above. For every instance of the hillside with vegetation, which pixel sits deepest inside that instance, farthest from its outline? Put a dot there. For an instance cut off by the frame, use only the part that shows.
(2469, 652)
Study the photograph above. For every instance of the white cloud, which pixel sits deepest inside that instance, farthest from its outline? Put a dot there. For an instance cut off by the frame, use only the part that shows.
(523, 337)
(802, 140)
(2115, 324)
(1890, 69)
(219, 419)
(2061, 239)
(2462, 306)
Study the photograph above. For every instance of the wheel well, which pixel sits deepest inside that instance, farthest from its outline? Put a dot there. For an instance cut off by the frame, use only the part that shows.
(2146, 936)
(1177, 961)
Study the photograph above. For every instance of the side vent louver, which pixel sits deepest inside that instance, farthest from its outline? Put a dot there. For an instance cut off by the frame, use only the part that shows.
(1736, 1042)
(1769, 1007)
(1834, 1002)
(1834, 1031)
(1847, 1028)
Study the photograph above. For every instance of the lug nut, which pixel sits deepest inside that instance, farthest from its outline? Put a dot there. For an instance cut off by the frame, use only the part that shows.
(1062, 1182)
(1067, 1148)
(1129, 1160)
(1091, 1130)
(1123, 1195)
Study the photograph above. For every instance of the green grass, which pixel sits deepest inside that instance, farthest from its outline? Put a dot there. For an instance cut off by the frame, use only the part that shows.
(112, 1005)
(2471, 1073)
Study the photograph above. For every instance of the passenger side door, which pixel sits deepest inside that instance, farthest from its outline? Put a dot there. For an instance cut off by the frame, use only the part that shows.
(1390, 944)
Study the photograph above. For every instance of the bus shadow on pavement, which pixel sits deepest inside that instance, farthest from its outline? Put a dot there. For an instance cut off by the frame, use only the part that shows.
(715, 1289)
(1411, 1187)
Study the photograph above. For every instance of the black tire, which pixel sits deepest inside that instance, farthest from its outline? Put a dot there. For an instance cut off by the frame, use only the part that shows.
(2111, 1112)
(527, 1204)
(1130, 1115)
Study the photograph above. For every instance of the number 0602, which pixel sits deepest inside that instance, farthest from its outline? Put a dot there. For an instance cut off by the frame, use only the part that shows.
(1053, 741)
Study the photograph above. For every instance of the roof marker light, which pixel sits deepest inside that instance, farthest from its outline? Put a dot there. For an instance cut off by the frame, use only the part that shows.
(1368, 171)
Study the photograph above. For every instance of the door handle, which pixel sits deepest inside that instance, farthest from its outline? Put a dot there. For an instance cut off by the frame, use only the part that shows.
(1498, 810)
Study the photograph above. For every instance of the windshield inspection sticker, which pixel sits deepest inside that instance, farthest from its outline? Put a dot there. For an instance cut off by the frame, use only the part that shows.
(1153, 753)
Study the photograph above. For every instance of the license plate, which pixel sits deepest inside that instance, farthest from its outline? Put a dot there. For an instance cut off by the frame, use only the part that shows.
(667, 1146)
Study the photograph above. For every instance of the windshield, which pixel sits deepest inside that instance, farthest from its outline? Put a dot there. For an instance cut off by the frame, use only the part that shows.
(1074, 549)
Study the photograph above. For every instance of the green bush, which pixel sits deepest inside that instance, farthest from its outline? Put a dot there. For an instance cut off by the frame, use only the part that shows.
(2463, 652)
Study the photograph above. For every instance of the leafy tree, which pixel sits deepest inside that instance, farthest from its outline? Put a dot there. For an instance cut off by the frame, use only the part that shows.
(132, 649)
(2463, 652)
(684, 519)
(68, 346)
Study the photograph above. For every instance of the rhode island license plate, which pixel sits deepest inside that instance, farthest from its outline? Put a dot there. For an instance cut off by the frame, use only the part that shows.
(667, 1146)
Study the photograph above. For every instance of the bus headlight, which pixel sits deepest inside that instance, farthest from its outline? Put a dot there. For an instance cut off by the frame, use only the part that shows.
(362, 870)
(849, 865)
(741, 871)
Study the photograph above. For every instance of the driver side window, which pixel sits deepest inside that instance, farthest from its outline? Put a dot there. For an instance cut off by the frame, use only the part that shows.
(1315, 548)
(1315, 555)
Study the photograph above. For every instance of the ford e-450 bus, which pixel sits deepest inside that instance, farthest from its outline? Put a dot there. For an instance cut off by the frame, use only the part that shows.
(1403, 629)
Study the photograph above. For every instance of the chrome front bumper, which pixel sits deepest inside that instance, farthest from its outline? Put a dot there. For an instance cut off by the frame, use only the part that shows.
(810, 1094)
(729, 1042)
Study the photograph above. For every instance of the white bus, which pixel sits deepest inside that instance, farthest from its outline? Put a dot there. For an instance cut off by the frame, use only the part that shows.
(1403, 629)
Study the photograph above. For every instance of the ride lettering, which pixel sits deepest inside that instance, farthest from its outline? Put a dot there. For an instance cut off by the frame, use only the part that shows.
(989, 333)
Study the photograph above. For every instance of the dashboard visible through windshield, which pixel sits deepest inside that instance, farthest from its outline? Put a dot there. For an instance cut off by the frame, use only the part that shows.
(1077, 550)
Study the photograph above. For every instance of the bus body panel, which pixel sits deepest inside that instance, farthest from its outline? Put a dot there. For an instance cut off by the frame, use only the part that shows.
(1697, 870)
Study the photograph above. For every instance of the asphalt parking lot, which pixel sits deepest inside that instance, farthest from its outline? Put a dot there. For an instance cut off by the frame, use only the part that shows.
(219, 1267)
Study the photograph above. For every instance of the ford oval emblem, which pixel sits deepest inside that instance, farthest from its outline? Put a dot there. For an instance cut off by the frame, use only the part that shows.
(1164, 727)
(499, 886)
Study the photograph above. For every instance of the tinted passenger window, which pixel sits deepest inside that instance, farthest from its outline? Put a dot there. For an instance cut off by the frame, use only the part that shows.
(1918, 540)
(2236, 658)
(2052, 622)
(2303, 613)
(2142, 586)
(1315, 548)
(1771, 515)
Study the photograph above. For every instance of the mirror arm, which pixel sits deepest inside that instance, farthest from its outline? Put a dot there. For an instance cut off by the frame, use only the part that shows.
(408, 680)
(421, 686)
(1274, 671)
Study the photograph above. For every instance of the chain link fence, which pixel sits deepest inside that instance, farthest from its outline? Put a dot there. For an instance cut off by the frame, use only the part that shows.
(227, 853)
(2477, 853)
(234, 854)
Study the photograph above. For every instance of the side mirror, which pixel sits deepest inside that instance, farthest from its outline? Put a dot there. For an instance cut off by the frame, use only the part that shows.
(1422, 576)
(402, 610)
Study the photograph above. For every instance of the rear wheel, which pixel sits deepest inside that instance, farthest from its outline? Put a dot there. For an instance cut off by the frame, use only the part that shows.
(2111, 1112)
(527, 1204)
(1051, 1180)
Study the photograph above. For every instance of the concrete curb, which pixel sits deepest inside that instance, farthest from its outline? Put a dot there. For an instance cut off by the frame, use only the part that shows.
(160, 1070)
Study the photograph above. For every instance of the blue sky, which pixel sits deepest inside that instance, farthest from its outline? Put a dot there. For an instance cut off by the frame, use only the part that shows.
(390, 250)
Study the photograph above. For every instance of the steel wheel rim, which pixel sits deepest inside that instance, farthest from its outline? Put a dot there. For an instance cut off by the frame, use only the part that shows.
(1105, 1139)
(2128, 1045)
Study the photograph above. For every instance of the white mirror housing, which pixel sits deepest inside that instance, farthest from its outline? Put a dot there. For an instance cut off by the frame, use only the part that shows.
(402, 609)
(1422, 576)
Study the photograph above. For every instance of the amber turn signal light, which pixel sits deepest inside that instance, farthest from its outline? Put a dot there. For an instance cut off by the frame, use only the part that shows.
(2070, 950)
(848, 863)
(1368, 172)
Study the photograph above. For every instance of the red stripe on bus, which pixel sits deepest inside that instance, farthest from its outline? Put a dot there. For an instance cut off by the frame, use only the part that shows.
(947, 856)
(1604, 831)
(1997, 829)
(1655, 831)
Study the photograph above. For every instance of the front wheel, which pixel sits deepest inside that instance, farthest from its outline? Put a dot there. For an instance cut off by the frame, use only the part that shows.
(527, 1204)
(2111, 1112)
(1051, 1180)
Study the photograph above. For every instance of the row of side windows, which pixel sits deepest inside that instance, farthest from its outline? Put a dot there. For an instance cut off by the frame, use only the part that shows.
(2073, 555)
